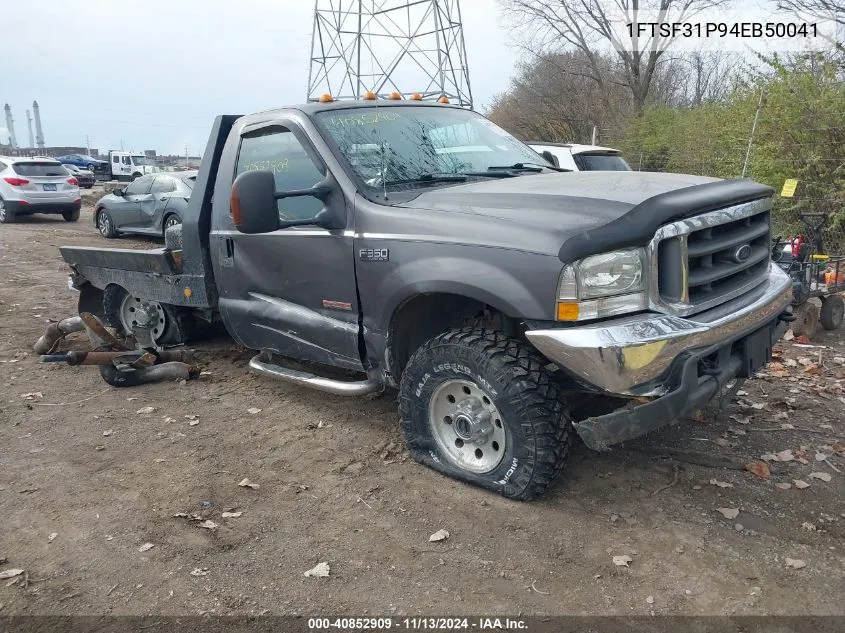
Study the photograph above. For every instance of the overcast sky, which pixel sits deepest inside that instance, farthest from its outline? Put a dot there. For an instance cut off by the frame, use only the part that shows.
(154, 73)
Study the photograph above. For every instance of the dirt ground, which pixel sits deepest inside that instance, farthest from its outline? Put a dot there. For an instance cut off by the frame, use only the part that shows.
(86, 480)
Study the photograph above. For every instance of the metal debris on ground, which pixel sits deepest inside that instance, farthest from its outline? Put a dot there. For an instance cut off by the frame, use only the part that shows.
(246, 483)
(10, 573)
(146, 547)
(439, 535)
(622, 561)
(321, 570)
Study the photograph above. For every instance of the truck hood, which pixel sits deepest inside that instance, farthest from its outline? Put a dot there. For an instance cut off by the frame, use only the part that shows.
(589, 212)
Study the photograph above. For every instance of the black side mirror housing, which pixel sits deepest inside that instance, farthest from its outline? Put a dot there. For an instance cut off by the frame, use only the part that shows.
(253, 203)
(550, 157)
(119, 192)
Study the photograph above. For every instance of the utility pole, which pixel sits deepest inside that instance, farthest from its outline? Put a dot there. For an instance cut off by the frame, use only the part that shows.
(186, 157)
(88, 145)
(753, 130)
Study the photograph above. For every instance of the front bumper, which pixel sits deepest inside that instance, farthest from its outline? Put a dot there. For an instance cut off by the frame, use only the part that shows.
(683, 361)
(632, 355)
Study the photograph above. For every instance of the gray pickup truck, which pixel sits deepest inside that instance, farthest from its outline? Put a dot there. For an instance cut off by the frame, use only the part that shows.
(364, 246)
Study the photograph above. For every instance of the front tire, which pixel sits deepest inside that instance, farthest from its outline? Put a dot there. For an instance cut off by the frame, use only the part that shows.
(105, 224)
(71, 216)
(832, 312)
(806, 319)
(480, 406)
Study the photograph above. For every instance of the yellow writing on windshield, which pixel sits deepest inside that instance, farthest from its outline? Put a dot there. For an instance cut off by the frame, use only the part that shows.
(275, 166)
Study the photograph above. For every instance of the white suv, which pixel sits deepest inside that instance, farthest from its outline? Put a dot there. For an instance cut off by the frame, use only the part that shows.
(37, 185)
(575, 157)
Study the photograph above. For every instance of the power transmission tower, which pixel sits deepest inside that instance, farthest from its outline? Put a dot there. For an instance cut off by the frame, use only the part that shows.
(407, 46)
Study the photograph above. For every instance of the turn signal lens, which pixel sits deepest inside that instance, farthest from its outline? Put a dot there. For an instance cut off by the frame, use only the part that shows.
(235, 206)
(73, 181)
(567, 311)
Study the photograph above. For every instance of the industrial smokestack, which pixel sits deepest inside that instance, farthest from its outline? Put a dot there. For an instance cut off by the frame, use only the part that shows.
(29, 127)
(10, 125)
(39, 133)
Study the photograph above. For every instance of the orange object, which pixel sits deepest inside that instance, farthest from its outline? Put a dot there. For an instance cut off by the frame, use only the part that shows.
(834, 278)
(416, 97)
(567, 311)
(326, 98)
(370, 96)
(443, 99)
(395, 96)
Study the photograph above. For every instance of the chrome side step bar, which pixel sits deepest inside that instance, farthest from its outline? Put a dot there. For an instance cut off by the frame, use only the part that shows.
(337, 387)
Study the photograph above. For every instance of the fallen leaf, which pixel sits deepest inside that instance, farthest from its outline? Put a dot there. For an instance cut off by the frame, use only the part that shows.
(622, 561)
(806, 525)
(812, 370)
(805, 360)
(246, 483)
(439, 535)
(320, 571)
(803, 340)
(52, 537)
(838, 447)
(650, 600)
(721, 484)
(107, 433)
(788, 335)
(758, 406)
(10, 573)
(821, 476)
(728, 513)
(208, 525)
(193, 422)
(795, 563)
(783, 485)
(761, 469)
(253, 410)
(200, 571)
(800, 484)
(231, 515)
(145, 410)
(784, 456)
(787, 427)
(790, 362)
(721, 441)
(741, 419)
(821, 457)
(146, 547)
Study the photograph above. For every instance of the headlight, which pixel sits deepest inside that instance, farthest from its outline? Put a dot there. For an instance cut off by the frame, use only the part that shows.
(602, 285)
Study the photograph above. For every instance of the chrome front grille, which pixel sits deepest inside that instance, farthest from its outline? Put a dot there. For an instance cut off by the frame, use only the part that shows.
(705, 260)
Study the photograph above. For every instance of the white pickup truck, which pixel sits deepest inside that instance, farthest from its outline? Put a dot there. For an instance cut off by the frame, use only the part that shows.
(127, 166)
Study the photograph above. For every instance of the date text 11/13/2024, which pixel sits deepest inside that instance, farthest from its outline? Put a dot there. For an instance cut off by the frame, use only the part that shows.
(417, 624)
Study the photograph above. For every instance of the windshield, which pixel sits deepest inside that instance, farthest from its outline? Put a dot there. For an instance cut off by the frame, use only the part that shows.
(600, 162)
(39, 169)
(139, 160)
(405, 145)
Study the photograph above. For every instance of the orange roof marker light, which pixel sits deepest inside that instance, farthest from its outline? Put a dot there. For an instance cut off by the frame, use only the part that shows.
(443, 99)
(370, 96)
(416, 97)
(395, 96)
(326, 98)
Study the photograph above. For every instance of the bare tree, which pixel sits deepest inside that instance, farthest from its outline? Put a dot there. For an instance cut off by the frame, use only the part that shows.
(819, 9)
(590, 26)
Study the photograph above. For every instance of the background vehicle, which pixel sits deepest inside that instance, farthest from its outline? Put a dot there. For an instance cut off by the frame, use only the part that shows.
(149, 205)
(37, 185)
(127, 166)
(576, 157)
(84, 161)
(84, 177)
(413, 246)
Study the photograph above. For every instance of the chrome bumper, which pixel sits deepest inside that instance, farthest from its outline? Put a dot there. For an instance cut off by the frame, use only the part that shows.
(629, 356)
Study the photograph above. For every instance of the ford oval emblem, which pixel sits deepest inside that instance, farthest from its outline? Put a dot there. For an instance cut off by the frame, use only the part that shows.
(742, 253)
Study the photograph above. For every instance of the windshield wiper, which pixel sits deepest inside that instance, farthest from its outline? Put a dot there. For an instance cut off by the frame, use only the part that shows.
(535, 167)
(427, 178)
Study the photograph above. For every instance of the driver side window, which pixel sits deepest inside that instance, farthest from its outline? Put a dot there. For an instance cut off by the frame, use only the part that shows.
(139, 186)
(277, 149)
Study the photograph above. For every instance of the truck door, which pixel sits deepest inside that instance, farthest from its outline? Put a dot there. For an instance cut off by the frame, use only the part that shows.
(292, 291)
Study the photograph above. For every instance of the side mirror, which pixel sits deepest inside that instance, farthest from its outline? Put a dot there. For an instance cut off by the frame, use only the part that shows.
(253, 203)
(550, 157)
(119, 192)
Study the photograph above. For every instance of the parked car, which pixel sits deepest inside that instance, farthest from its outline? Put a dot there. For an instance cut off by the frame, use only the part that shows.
(575, 157)
(85, 177)
(510, 306)
(83, 160)
(149, 205)
(37, 185)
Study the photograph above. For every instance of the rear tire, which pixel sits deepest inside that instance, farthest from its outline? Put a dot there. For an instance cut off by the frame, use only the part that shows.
(832, 312)
(71, 216)
(169, 221)
(6, 216)
(505, 402)
(806, 319)
(105, 224)
(177, 327)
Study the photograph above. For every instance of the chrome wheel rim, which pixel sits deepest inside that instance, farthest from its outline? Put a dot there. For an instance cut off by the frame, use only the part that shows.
(2, 211)
(171, 221)
(467, 426)
(103, 223)
(135, 312)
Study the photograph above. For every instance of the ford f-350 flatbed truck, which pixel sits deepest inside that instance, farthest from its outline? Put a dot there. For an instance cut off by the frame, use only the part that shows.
(422, 248)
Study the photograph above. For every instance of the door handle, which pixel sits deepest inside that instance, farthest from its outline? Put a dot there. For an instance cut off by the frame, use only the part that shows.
(163, 198)
(227, 252)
